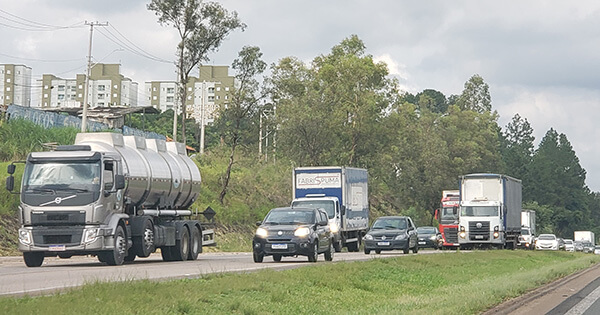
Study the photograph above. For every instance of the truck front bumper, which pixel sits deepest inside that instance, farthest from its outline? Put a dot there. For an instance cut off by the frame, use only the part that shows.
(466, 238)
(73, 240)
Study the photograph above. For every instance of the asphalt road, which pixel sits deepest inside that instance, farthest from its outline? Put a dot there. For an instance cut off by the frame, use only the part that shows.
(57, 274)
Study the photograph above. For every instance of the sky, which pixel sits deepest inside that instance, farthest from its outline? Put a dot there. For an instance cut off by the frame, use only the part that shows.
(541, 59)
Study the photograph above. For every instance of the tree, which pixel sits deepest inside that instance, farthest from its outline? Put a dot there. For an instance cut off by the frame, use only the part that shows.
(518, 148)
(432, 100)
(202, 26)
(236, 116)
(475, 96)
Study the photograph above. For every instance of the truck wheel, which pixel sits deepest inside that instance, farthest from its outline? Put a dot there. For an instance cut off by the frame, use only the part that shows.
(182, 245)
(116, 256)
(314, 255)
(338, 246)
(143, 245)
(33, 259)
(165, 253)
(130, 256)
(195, 243)
(329, 252)
(352, 247)
(276, 257)
(258, 258)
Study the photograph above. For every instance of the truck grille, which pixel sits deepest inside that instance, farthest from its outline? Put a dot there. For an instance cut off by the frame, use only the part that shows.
(479, 234)
(451, 234)
(58, 218)
(57, 236)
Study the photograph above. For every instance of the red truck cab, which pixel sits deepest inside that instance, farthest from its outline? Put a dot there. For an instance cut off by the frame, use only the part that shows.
(447, 216)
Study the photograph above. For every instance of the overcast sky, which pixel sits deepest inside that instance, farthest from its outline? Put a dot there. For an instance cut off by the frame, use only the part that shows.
(541, 59)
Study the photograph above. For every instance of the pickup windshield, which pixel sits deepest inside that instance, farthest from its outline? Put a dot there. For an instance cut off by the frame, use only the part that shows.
(472, 211)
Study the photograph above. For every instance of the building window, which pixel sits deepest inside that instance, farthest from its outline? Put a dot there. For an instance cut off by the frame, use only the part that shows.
(7, 71)
(8, 80)
(211, 90)
(80, 95)
(211, 98)
(226, 97)
(115, 95)
(154, 97)
(190, 89)
(61, 96)
(100, 96)
(218, 88)
(218, 97)
(45, 87)
(226, 88)
(81, 86)
(154, 89)
(100, 104)
(8, 88)
(61, 88)
(101, 88)
(189, 97)
(116, 87)
(170, 90)
(7, 97)
(169, 98)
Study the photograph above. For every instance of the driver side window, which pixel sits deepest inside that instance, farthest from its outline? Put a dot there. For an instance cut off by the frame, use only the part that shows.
(108, 175)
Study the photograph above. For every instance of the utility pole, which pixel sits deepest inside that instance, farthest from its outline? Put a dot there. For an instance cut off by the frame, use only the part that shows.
(177, 97)
(87, 75)
(202, 106)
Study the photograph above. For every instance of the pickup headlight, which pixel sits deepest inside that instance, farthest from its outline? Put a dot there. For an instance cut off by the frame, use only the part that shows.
(433, 237)
(302, 232)
(262, 233)
(400, 237)
(369, 237)
(90, 235)
(25, 237)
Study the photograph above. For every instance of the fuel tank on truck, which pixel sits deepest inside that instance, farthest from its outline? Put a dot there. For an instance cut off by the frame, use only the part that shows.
(156, 177)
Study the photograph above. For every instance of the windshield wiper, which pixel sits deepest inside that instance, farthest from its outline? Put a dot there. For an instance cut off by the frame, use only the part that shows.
(73, 189)
(48, 190)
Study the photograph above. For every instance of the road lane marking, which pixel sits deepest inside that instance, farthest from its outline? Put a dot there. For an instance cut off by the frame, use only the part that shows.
(582, 306)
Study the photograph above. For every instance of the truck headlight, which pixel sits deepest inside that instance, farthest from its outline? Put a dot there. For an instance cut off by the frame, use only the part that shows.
(302, 232)
(25, 237)
(462, 233)
(369, 237)
(333, 227)
(400, 237)
(262, 233)
(90, 235)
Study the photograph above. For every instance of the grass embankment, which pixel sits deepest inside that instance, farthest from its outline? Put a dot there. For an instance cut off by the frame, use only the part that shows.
(449, 283)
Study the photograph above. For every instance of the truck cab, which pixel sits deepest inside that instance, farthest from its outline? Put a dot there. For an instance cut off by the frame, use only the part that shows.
(481, 222)
(331, 206)
(447, 216)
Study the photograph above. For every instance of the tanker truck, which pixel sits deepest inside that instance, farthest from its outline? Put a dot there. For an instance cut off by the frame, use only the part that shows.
(111, 196)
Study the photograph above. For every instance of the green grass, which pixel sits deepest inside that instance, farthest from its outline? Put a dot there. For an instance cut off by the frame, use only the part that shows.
(449, 283)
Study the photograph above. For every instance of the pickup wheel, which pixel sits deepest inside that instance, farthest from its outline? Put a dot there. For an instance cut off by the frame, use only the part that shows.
(416, 249)
(378, 251)
(33, 259)
(367, 251)
(313, 256)
(195, 243)
(258, 257)
(143, 245)
(116, 256)
(329, 252)
(406, 250)
(276, 257)
(182, 245)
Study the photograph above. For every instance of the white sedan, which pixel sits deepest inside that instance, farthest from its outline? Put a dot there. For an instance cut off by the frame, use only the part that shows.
(547, 242)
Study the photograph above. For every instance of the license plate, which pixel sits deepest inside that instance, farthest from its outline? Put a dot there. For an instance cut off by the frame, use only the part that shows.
(57, 248)
(279, 246)
(478, 237)
(421, 243)
(383, 243)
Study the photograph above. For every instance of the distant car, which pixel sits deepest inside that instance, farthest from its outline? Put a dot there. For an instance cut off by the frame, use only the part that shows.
(561, 243)
(546, 242)
(597, 250)
(429, 237)
(391, 232)
(569, 245)
(291, 232)
(588, 247)
(579, 246)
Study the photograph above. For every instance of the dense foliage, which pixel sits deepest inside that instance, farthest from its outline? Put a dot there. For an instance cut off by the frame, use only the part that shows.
(344, 109)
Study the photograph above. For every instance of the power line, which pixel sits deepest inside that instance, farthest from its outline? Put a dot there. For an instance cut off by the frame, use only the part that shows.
(32, 25)
(42, 60)
(112, 37)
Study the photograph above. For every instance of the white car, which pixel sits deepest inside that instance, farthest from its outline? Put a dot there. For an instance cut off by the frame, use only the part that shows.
(546, 242)
(569, 245)
(597, 250)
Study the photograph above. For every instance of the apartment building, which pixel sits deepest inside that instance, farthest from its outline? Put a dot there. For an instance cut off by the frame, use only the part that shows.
(15, 85)
(204, 94)
(107, 87)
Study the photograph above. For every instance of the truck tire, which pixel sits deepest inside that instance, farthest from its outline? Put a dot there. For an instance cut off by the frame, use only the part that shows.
(314, 255)
(165, 253)
(182, 246)
(33, 259)
(195, 242)
(352, 247)
(116, 256)
(329, 252)
(143, 245)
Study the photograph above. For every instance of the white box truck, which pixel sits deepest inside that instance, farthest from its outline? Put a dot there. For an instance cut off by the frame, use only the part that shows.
(528, 232)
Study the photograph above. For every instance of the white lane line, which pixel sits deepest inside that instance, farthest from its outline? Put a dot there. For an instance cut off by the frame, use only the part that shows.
(584, 304)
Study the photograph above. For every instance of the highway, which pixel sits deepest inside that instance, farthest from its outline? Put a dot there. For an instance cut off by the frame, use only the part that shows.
(58, 274)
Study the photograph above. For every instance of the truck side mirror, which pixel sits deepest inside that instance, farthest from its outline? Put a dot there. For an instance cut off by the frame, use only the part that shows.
(10, 182)
(435, 215)
(119, 182)
(10, 169)
(454, 210)
(343, 210)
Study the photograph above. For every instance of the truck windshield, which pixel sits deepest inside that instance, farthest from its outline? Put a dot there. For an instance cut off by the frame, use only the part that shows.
(327, 205)
(56, 176)
(470, 211)
(524, 231)
(449, 214)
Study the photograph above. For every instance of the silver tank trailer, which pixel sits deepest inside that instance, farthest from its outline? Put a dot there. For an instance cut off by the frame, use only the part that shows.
(159, 174)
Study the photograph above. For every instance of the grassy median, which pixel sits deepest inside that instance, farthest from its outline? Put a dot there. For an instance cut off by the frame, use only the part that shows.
(448, 283)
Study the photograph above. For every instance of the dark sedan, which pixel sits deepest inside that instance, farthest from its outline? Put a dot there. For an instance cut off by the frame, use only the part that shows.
(429, 237)
(291, 232)
(389, 233)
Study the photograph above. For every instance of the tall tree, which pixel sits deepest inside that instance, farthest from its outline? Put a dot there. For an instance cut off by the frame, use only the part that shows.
(518, 147)
(201, 26)
(236, 116)
(432, 100)
(475, 96)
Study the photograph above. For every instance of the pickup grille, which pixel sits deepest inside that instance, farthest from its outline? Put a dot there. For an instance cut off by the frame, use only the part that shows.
(479, 234)
(451, 234)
